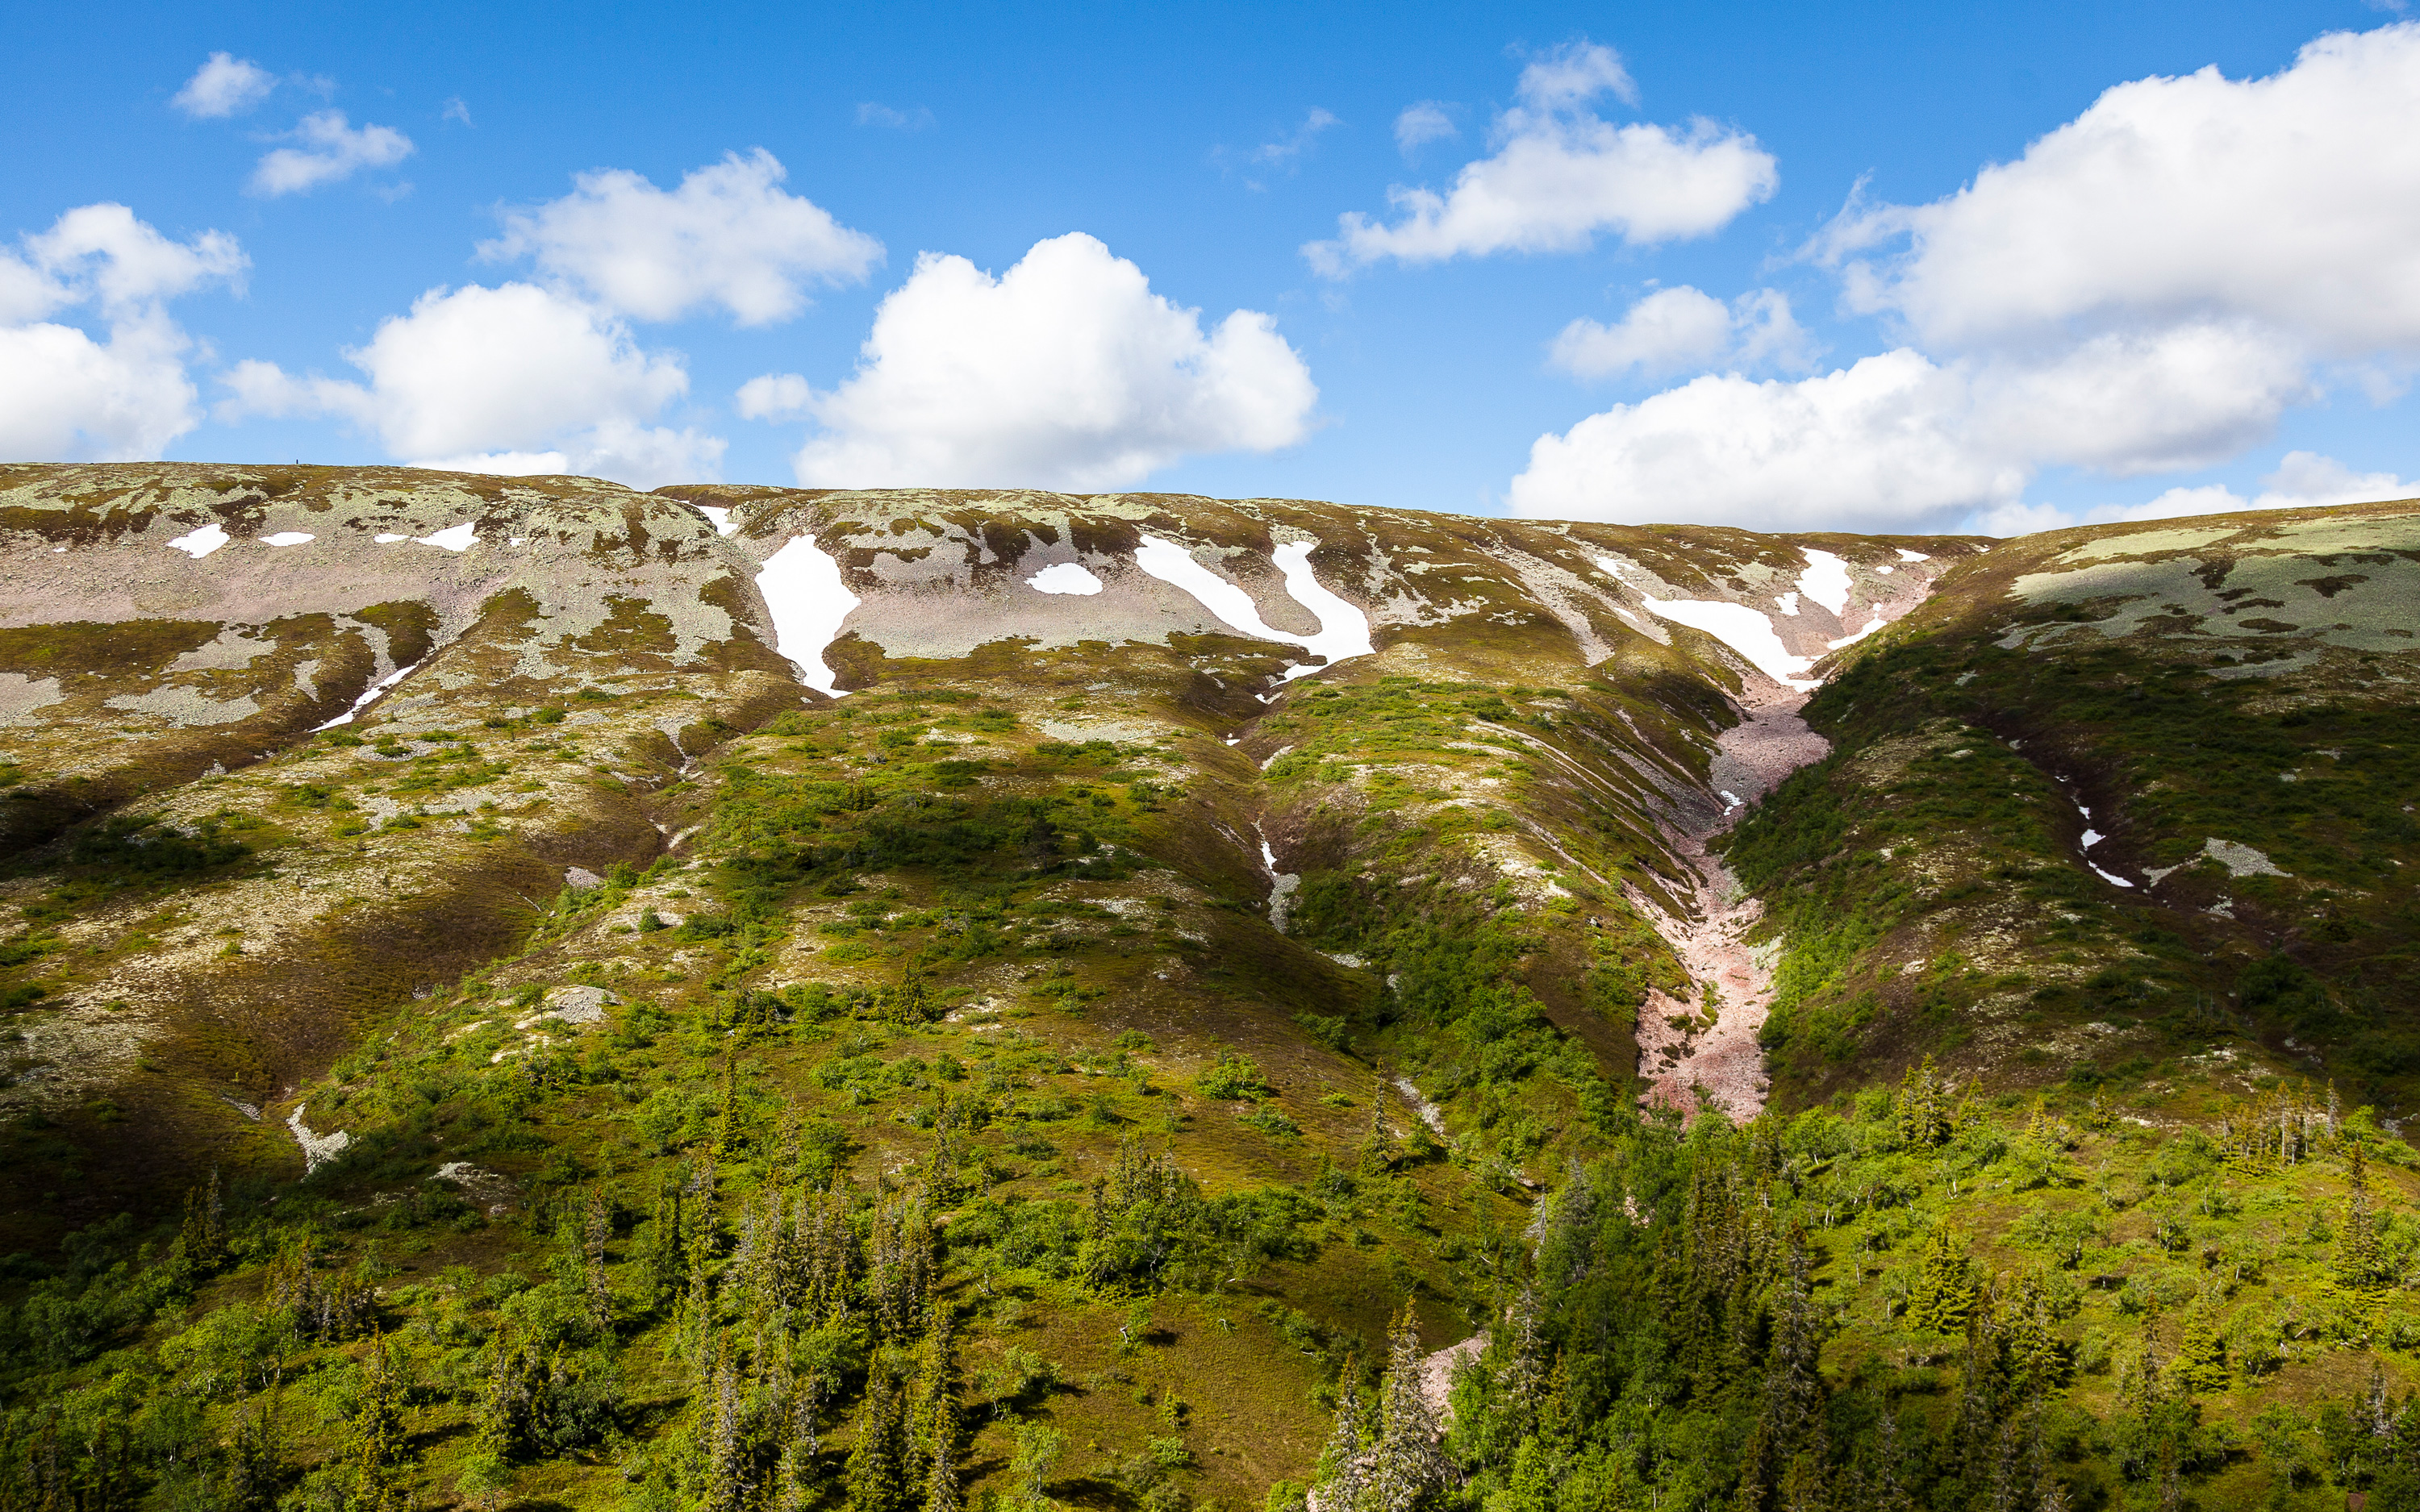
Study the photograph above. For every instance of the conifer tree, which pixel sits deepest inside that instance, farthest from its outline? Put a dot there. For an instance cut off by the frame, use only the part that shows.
(2200, 1363)
(797, 1444)
(1924, 1116)
(596, 1228)
(1405, 1464)
(1343, 1477)
(726, 1125)
(933, 1402)
(1377, 1152)
(374, 1443)
(877, 1475)
(666, 1256)
(1522, 1378)
(2358, 1266)
(1889, 1489)
(1942, 1293)
(205, 1227)
(942, 1489)
(1806, 1485)
(726, 1466)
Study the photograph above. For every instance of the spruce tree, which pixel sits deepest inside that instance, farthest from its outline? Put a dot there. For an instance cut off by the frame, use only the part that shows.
(726, 1126)
(666, 1257)
(1890, 1492)
(2200, 1363)
(374, 1444)
(205, 1229)
(2359, 1265)
(1806, 1485)
(1405, 1464)
(1342, 1471)
(933, 1402)
(1942, 1294)
(877, 1475)
(942, 1489)
(253, 1462)
(726, 1451)
(596, 1228)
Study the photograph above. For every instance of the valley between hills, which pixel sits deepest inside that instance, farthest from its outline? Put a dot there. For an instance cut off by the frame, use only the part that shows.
(522, 992)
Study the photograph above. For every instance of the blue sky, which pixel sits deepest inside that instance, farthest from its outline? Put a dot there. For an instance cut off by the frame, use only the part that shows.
(298, 272)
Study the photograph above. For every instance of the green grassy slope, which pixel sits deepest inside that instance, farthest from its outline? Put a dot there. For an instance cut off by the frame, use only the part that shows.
(920, 1106)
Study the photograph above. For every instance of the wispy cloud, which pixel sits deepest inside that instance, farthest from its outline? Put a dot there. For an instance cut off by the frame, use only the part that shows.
(331, 150)
(1282, 155)
(1431, 120)
(889, 117)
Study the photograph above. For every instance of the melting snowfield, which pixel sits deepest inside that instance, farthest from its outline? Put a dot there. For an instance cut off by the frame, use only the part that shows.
(1344, 630)
(809, 602)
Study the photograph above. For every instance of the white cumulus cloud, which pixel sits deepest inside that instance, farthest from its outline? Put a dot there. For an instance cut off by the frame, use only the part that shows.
(1872, 446)
(1899, 440)
(67, 396)
(2147, 288)
(1066, 371)
(729, 235)
(331, 150)
(774, 396)
(224, 86)
(2293, 201)
(2303, 480)
(1682, 327)
(1561, 176)
(516, 379)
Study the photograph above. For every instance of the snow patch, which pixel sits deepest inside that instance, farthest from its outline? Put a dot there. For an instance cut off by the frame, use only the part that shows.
(2110, 877)
(1742, 629)
(1825, 580)
(719, 516)
(1906, 555)
(201, 543)
(809, 602)
(1854, 636)
(453, 537)
(317, 1150)
(373, 691)
(287, 538)
(1344, 630)
(1064, 577)
(1788, 603)
(389, 538)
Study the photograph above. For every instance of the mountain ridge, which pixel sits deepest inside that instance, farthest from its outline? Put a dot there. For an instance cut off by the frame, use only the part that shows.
(547, 879)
